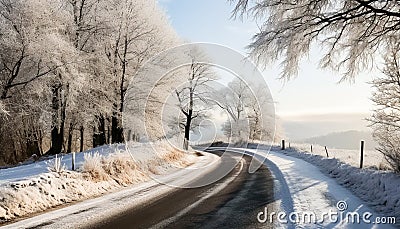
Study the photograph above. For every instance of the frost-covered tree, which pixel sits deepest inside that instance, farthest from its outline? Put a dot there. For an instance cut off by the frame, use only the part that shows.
(386, 118)
(140, 30)
(349, 31)
(170, 94)
(64, 66)
(191, 95)
(245, 114)
(27, 27)
(233, 100)
(34, 47)
(92, 104)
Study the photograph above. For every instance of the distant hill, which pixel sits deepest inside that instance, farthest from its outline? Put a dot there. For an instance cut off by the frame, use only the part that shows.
(344, 140)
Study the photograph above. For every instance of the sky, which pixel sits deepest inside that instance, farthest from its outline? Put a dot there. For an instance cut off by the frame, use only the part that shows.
(314, 103)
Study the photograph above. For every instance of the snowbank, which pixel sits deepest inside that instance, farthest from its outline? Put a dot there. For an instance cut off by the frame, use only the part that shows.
(89, 212)
(379, 189)
(302, 188)
(98, 173)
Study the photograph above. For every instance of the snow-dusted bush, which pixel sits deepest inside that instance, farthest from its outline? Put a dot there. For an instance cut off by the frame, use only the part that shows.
(93, 167)
(118, 166)
(56, 165)
(389, 145)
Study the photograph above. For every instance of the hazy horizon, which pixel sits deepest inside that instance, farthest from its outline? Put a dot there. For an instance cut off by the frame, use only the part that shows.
(305, 126)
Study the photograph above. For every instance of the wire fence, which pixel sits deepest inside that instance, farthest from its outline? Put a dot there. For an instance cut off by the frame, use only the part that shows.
(359, 158)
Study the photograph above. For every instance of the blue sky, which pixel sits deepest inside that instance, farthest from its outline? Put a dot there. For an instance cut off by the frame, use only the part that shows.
(313, 92)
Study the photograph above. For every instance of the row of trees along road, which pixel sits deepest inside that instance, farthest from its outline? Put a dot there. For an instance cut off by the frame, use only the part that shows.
(64, 70)
(351, 34)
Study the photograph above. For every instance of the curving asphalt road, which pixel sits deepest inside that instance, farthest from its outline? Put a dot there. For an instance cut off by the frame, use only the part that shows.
(232, 202)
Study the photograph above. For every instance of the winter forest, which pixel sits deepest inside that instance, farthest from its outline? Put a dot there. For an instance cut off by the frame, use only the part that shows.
(68, 67)
(65, 67)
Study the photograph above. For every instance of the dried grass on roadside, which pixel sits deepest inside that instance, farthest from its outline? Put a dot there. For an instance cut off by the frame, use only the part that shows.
(98, 175)
(118, 167)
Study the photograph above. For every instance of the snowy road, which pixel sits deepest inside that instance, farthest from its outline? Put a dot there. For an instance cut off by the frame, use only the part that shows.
(297, 189)
(284, 193)
(232, 202)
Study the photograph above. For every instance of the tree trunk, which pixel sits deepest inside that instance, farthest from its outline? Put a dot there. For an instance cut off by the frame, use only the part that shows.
(70, 132)
(40, 140)
(116, 129)
(108, 133)
(63, 114)
(56, 135)
(189, 115)
(56, 142)
(102, 130)
(94, 137)
(32, 147)
(116, 120)
(99, 135)
(81, 130)
(187, 129)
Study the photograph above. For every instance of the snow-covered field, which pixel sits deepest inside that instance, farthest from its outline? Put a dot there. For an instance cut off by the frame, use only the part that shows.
(372, 158)
(32, 188)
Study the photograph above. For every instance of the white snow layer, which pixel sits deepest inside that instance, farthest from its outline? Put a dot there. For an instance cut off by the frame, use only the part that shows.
(304, 183)
(105, 207)
(31, 188)
(311, 183)
(372, 158)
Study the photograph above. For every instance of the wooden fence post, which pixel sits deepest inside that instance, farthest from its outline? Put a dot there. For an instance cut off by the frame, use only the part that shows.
(73, 161)
(283, 144)
(326, 150)
(362, 154)
(311, 149)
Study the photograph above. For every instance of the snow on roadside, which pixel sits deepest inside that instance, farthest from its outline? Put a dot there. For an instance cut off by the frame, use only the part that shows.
(91, 211)
(102, 172)
(23, 172)
(379, 190)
